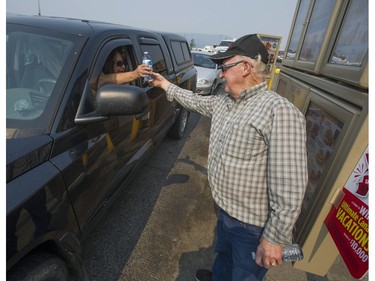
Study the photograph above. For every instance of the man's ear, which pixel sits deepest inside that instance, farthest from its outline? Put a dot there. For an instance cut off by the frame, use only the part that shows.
(247, 66)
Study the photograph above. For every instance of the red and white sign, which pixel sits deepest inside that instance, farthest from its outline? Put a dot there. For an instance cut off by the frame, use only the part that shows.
(348, 223)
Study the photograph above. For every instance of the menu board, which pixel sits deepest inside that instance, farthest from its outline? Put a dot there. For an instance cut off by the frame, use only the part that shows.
(322, 132)
(297, 94)
(352, 44)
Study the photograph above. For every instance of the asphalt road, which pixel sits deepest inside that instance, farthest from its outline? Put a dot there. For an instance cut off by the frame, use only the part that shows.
(150, 232)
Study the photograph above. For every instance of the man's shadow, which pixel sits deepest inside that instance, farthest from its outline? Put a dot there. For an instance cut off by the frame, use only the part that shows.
(190, 262)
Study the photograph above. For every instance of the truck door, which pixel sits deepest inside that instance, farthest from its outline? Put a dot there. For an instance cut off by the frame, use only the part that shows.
(162, 111)
(103, 154)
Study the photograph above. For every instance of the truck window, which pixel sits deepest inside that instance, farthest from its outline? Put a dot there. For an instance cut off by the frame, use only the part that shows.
(37, 66)
(186, 52)
(124, 54)
(181, 52)
(158, 60)
(100, 68)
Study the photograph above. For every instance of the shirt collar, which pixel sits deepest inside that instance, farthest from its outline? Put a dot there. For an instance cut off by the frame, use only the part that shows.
(253, 90)
(249, 92)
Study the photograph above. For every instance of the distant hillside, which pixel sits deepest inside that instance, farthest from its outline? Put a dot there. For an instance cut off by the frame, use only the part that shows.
(202, 40)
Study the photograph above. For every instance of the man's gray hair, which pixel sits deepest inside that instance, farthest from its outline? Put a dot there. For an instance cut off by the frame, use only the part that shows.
(260, 68)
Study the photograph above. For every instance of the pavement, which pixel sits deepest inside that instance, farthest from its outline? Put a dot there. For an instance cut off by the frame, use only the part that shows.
(179, 235)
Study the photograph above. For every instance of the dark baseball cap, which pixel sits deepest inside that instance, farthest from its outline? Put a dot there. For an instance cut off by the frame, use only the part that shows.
(248, 45)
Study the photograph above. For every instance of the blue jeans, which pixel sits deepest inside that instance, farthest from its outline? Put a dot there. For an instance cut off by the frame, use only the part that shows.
(236, 241)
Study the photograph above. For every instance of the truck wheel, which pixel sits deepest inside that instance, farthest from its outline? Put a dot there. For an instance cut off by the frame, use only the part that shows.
(178, 129)
(41, 267)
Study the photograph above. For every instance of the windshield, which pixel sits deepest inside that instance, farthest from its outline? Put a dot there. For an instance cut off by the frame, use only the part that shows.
(37, 64)
(203, 60)
(225, 43)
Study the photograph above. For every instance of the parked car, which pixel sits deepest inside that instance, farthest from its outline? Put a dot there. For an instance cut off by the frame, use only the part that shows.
(223, 45)
(280, 55)
(290, 54)
(72, 148)
(208, 72)
(209, 49)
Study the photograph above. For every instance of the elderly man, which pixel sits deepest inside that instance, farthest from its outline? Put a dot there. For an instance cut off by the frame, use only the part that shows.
(257, 167)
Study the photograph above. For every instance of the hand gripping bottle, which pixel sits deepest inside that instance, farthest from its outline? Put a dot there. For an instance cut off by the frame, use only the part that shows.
(292, 253)
(147, 60)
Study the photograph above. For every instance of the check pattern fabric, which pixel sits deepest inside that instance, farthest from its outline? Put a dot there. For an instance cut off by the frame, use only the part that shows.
(257, 164)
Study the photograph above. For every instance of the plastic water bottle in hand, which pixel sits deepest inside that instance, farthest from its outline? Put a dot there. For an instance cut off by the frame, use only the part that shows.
(147, 60)
(292, 253)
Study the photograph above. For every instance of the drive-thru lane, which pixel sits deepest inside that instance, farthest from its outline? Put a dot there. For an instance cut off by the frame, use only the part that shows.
(162, 226)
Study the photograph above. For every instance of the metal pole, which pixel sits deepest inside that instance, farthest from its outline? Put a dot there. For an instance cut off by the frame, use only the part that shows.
(39, 7)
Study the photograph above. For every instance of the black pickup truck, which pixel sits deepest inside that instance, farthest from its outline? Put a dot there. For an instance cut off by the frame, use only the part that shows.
(71, 148)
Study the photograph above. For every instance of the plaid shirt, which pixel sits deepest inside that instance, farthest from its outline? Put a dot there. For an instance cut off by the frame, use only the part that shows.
(257, 166)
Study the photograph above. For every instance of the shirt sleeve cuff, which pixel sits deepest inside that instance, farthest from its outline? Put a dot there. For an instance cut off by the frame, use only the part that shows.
(171, 90)
(272, 234)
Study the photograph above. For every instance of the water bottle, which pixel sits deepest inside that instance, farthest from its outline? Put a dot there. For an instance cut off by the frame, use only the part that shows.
(147, 60)
(292, 253)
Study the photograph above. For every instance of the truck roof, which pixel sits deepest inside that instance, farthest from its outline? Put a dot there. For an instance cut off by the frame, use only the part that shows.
(80, 27)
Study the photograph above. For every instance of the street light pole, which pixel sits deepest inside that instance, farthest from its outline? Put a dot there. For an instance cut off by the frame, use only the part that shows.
(39, 7)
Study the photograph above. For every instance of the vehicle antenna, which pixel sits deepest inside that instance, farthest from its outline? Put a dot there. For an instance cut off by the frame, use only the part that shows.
(39, 7)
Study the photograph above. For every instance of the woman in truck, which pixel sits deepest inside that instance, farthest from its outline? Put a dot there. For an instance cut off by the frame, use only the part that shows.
(116, 70)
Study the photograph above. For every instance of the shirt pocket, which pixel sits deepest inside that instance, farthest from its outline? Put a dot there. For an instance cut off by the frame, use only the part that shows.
(244, 141)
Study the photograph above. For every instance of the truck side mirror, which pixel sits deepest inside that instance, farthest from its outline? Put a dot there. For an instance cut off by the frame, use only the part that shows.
(115, 99)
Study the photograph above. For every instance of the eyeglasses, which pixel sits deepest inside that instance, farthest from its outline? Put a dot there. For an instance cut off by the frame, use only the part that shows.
(119, 63)
(225, 67)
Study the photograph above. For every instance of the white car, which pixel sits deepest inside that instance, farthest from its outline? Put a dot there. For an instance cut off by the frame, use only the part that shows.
(209, 49)
(208, 72)
(223, 46)
(280, 55)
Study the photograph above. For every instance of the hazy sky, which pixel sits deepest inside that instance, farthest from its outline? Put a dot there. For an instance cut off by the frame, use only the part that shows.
(233, 18)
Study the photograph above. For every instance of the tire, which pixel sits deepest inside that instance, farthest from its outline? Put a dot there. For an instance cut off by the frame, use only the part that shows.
(178, 129)
(40, 267)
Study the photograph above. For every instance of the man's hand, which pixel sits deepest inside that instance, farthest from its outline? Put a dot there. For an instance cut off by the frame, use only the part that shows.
(143, 70)
(269, 254)
(159, 81)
